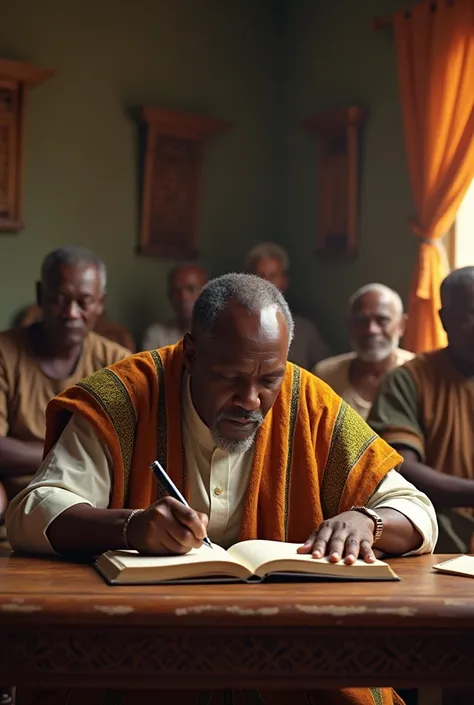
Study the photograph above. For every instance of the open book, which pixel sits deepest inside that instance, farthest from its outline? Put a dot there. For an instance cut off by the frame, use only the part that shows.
(246, 561)
(461, 565)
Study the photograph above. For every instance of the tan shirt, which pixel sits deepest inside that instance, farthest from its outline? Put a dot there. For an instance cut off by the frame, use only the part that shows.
(79, 469)
(25, 389)
(335, 372)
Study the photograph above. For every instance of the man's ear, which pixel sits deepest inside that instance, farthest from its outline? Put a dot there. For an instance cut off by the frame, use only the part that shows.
(39, 293)
(403, 324)
(101, 304)
(189, 347)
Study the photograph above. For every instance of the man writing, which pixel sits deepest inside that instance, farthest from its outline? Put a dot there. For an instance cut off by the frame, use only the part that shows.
(39, 361)
(426, 408)
(260, 448)
(376, 323)
(184, 286)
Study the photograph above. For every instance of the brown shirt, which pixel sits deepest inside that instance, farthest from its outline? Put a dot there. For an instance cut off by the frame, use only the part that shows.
(25, 389)
(428, 407)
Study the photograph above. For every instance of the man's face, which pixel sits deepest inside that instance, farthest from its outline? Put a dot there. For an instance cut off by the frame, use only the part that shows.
(237, 373)
(458, 321)
(71, 301)
(271, 269)
(185, 288)
(375, 327)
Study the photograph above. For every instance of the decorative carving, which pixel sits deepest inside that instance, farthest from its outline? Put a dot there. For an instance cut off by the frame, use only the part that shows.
(171, 181)
(15, 77)
(337, 134)
(289, 658)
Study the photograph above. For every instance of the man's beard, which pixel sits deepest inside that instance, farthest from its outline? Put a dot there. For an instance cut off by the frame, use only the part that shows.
(376, 354)
(230, 445)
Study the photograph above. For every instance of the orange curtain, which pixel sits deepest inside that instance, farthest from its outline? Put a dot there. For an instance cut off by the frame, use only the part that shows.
(435, 50)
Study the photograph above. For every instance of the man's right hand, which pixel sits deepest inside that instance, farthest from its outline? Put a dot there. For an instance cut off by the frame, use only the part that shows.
(167, 527)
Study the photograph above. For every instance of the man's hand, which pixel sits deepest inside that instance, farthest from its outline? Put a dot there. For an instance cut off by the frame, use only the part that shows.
(166, 527)
(349, 535)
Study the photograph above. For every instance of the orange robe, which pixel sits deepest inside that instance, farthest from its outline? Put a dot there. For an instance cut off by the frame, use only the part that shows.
(314, 458)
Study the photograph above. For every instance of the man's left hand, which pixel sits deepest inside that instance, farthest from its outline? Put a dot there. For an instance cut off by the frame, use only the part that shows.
(349, 535)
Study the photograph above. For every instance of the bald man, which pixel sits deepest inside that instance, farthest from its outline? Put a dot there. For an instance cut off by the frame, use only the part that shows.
(376, 323)
(185, 282)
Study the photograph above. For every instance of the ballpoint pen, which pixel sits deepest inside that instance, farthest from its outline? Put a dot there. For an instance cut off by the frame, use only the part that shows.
(170, 488)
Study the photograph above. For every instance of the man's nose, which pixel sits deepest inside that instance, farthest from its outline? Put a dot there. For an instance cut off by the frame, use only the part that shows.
(373, 328)
(248, 397)
(73, 310)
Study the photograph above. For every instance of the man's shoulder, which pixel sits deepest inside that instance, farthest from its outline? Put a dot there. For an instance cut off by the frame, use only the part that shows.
(317, 390)
(404, 356)
(13, 341)
(415, 374)
(333, 364)
(159, 335)
(103, 351)
(423, 365)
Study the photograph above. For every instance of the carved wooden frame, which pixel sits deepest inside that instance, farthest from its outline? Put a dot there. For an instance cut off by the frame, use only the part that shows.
(15, 78)
(297, 658)
(337, 135)
(172, 180)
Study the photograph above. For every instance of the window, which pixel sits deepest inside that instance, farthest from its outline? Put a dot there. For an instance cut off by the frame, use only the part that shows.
(459, 241)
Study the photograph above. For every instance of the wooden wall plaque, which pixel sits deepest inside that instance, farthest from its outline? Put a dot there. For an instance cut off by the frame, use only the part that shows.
(171, 180)
(337, 135)
(15, 78)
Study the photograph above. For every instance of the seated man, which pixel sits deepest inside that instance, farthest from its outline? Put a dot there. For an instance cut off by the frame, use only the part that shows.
(39, 361)
(184, 286)
(245, 435)
(271, 262)
(376, 323)
(425, 410)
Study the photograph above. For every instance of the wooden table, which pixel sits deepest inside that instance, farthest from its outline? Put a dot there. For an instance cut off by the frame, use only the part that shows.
(60, 624)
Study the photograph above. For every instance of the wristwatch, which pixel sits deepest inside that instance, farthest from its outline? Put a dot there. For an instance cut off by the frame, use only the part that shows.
(378, 522)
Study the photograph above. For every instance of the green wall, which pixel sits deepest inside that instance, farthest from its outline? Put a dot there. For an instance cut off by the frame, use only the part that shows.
(81, 183)
(264, 65)
(336, 59)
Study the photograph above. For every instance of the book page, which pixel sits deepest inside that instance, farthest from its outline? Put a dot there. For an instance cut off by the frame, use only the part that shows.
(262, 557)
(132, 559)
(462, 565)
(128, 566)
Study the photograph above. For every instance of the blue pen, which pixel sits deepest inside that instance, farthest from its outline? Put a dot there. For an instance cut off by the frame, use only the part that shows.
(170, 488)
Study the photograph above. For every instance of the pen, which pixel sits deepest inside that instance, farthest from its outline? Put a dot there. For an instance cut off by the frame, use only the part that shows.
(168, 485)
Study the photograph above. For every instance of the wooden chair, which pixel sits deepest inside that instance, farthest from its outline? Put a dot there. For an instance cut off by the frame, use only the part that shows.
(110, 330)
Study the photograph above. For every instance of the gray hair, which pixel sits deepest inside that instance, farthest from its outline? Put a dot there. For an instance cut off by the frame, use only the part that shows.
(266, 250)
(73, 256)
(456, 279)
(250, 291)
(379, 289)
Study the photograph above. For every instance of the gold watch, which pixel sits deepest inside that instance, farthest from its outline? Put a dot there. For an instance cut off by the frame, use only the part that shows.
(378, 521)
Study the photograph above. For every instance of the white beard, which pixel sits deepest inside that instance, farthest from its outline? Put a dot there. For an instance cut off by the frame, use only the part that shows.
(377, 354)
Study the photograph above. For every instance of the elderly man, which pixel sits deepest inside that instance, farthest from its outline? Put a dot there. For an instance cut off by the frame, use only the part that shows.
(271, 262)
(376, 323)
(425, 409)
(41, 360)
(247, 438)
(184, 286)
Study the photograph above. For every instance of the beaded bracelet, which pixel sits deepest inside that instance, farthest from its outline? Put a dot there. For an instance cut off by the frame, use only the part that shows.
(125, 527)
